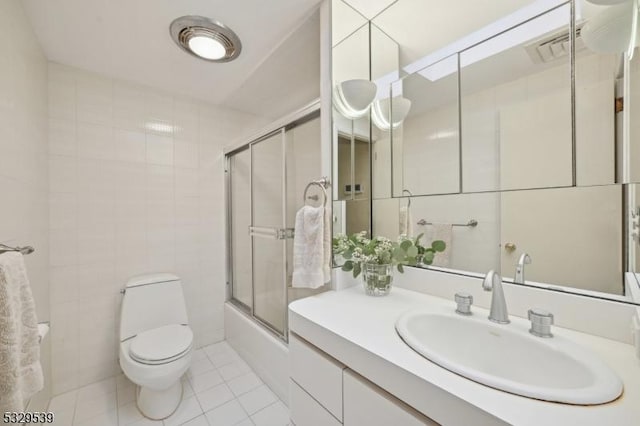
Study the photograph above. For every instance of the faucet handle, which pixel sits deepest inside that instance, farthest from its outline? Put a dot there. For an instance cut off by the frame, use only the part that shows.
(541, 322)
(464, 302)
(490, 280)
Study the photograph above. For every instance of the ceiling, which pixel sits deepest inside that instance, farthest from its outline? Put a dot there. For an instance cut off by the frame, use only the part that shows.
(130, 40)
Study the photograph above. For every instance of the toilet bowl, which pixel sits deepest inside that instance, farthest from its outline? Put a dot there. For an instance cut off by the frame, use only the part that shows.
(155, 342)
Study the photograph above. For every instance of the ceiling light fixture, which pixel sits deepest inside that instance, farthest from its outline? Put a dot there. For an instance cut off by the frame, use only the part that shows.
(352, 98)
(205, 38)
(390, 113)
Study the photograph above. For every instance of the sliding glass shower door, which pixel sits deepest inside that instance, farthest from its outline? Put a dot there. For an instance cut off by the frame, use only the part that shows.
(268, 233)
(266, 181)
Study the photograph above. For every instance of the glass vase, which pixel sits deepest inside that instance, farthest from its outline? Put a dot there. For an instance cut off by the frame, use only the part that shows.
(377, 278)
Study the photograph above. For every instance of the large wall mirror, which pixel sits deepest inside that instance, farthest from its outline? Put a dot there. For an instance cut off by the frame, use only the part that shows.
(513, 129)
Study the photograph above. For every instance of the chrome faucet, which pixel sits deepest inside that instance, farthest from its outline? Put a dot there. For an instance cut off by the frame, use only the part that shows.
(525, 259)
(493, 282)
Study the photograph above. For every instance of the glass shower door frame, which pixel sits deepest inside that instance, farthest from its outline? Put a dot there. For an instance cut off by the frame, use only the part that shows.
(284, 234)
(281, 233)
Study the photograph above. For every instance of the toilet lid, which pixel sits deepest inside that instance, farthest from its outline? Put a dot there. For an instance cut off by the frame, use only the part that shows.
(162, 344)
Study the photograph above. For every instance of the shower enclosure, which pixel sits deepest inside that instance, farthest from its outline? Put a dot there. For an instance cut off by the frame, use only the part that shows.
(266, 178)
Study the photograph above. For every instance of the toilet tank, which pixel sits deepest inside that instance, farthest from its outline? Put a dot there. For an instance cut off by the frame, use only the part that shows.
(151, 301)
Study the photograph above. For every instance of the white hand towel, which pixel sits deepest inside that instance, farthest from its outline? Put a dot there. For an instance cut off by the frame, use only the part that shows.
(406, 221)
(328, 244)
(444, 232)
(308, 248)
(20, 370)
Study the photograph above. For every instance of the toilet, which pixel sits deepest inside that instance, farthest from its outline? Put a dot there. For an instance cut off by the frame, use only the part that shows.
(155, 342)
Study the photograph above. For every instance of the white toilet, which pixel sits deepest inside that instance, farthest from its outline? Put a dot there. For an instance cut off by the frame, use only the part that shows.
(155, 342)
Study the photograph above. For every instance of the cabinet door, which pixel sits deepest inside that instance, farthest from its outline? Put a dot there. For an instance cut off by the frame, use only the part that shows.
(367, 404)
(306, 411)
(317, 373)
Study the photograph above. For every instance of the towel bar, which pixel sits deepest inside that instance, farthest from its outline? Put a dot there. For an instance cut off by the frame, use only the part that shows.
(24, 250)
(472, 223)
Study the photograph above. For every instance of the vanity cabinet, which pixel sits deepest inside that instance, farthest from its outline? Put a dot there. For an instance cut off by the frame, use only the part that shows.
(368, 404)
(324, 392)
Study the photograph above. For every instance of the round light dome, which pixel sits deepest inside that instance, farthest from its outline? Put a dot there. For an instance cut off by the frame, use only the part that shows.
(390, 113)
(205, 38)
(207, 48)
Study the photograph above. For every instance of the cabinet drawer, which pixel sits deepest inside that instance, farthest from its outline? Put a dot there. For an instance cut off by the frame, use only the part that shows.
(317, 373)
(367, 404)
(306, 411)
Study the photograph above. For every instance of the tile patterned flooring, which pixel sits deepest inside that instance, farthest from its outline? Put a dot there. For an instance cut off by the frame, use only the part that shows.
(220, 389)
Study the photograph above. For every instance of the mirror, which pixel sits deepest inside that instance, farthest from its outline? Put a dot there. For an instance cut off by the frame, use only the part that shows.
(427, 143)
(355, 67)
(351, 147)
(515, 108)
(516, 141)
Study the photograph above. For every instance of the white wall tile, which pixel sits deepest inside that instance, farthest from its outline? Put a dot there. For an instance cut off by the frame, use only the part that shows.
(127, 186)
(95, 141)
(94, 99)
(62, 92)
(62, 210)
(130, 146)
(185, 154)
(63, 174)
(128, 106)
(159, 149)
(62, 137)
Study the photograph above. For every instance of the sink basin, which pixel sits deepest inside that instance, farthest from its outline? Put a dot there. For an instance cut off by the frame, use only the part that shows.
(509, 358)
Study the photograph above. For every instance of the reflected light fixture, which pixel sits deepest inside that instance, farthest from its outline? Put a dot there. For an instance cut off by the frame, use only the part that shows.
(614, 29)
(389, 113)
(205, 39)
(352, 98)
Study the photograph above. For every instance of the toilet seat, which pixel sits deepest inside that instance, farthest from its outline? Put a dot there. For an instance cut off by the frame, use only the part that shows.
(161, 345)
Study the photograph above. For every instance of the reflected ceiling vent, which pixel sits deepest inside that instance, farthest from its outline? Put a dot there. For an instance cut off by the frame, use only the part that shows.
(553, 47)
(205, 38)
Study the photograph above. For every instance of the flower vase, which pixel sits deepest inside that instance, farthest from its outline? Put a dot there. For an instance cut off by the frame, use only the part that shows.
(377, 278)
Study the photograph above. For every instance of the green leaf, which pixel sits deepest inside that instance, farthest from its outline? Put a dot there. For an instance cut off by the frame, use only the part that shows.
(400, 268)
(428, 257)
(356, 270)
(412, 251)
(348, 266)
(439, 245)
(398, 254)
(406, 244)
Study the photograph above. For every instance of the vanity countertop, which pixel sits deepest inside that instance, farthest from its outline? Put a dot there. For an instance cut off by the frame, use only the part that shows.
(359, 331)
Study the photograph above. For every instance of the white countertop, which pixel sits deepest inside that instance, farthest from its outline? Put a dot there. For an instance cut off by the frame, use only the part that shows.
(359, 331)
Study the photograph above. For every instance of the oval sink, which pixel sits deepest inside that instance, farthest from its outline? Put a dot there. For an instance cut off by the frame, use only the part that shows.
(509, 358)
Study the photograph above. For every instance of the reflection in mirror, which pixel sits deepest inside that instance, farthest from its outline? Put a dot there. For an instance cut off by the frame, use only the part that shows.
(598, 77)
(352, 95)
(353, 166)
(550, 150)
(605, 78)
(350, 69)
(631, 113)
(345, 20)
(516, 107)
(444, 217)
(574, 236)
(427, 143)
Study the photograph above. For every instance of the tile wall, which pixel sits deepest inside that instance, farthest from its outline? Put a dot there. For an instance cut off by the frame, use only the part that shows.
(136, 186)
(24, 209)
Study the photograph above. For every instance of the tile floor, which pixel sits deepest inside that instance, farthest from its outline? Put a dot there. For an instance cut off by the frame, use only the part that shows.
(219, 390)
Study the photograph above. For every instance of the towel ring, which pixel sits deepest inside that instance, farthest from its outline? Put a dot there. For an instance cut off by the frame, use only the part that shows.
(322, 183)
(410, 195)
